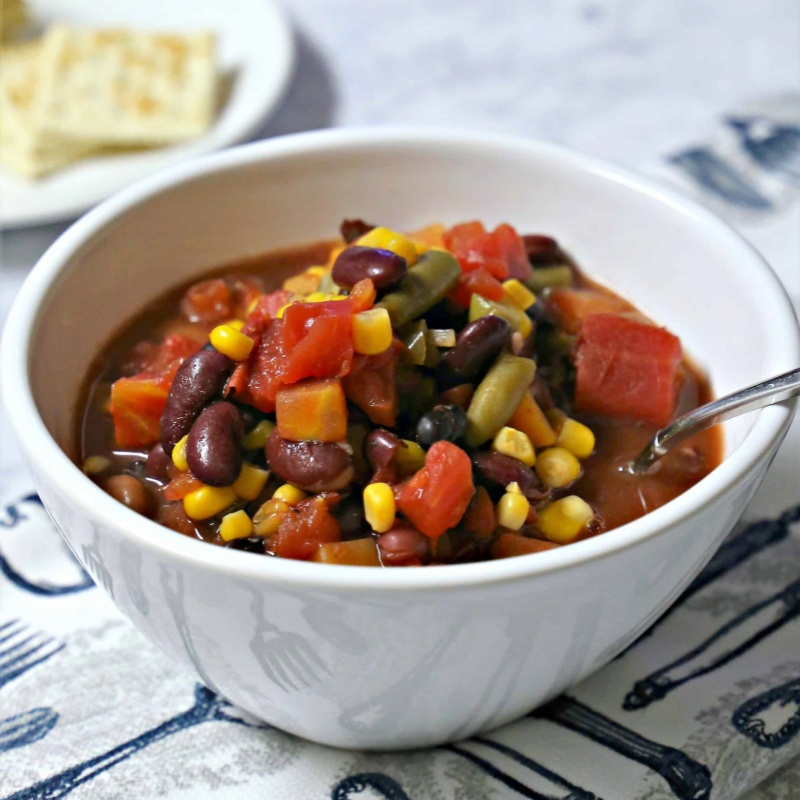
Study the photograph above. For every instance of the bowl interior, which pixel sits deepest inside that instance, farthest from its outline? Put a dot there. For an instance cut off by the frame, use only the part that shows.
(693, 276)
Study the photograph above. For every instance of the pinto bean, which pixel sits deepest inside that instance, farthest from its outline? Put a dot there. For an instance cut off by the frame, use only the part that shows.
(130, 491)
(198, 381)
(313, 466)
(157, 464)
(214, 447)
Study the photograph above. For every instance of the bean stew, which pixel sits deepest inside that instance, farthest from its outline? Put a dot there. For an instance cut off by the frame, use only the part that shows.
(450, 395)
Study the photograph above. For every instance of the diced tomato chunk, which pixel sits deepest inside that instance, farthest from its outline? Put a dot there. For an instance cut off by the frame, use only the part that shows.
(437, 496)
(180, 486)
(627, 368)
(317, 340)
(266, 309)
(501, 252)
(478, 281)
(372, 384)
(304, 529)
(208, 301)
(362, 296)
(480, 519)
(257, 380)
(512, 249)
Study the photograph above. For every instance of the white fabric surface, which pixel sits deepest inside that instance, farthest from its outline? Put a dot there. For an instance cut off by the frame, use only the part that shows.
(617, 79)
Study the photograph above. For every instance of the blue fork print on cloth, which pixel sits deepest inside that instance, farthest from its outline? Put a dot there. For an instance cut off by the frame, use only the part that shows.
(352, 785)
(21, 650)
(749, 718)
(720, 178)
(207, 707)
(26, 728)
(775, 147)
(727, 643)
(688, 779)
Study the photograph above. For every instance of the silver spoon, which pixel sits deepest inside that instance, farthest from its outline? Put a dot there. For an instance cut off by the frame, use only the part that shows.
(781, 387)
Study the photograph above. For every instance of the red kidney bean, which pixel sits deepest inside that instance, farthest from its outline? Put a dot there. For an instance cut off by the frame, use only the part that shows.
(380, 448)
(214, 447)
(352, 229)
(313, 466)
(131, 492)
(402, 547)
(157, 464)
(198, 381)
(383, 267)
(173, 516)
(541, 249)
(477, 346)
(497, 471)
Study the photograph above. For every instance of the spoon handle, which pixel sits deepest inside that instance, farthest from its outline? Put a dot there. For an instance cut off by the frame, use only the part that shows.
(781, 387)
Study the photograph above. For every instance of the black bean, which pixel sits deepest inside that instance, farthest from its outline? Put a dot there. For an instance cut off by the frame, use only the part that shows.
(313, 466)
(253, 544)
(441, 423)
(380, 447)
(157, 464)
(403, 546)
(214, 447)
(496, 471)
(352, 229)
(131, 492)
(383, 267)
(198, 381)
(477, 346)
(350, 516)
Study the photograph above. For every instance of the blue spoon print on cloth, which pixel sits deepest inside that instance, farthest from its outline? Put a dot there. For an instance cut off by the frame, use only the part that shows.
(773, 146)
(15, 514)
(752, 719)
(207, 707)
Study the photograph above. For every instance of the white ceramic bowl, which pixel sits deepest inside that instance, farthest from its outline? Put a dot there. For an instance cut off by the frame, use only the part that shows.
(397, 658)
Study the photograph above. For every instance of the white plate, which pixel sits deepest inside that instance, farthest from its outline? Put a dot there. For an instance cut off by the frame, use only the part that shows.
(255, 50)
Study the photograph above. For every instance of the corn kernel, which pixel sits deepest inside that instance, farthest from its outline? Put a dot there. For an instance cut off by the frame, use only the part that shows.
(179, 454)
(304, 283)
(208, 501)
(236, 324)
(409, 459)
(252, 306)
(257, 437)
(236, 526)
(289, 494)
(231, 342)
(282, 311)
(385, 239)
(379, 506)
(372, 331)
(317, 271)
(250, 482)
(94, 465)
(317, 297)
(513, 488)
(267, 519)
(442, 337)
(557, 467)
(518, 294)
(514, 443)
(576, 437)
(564, 519)
(512, 510)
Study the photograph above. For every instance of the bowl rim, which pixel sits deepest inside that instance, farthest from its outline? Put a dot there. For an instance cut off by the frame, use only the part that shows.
(47, 458)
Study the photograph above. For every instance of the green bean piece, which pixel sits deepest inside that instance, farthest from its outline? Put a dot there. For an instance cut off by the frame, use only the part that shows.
(479, 307)
(497, 397)
(432, 354)
(413, 335)
(427, 282)
(547, 277)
